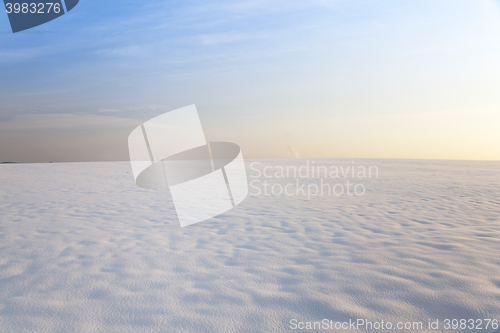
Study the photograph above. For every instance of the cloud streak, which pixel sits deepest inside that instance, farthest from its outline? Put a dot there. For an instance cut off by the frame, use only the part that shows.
(50, 122)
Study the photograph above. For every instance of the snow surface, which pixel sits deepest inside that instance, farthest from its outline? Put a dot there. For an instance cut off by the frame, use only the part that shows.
(83, 249)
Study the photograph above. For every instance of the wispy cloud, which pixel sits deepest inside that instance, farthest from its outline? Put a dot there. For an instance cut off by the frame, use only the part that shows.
(65, 121)
(231, 37)
(148, 107)
(126, 51)
(21, 55)
(110, 110)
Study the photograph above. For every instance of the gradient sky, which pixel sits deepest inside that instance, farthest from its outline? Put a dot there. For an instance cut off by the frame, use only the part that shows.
(346, 78)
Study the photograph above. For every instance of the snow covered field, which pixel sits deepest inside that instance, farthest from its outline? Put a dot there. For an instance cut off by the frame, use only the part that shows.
(83, 249)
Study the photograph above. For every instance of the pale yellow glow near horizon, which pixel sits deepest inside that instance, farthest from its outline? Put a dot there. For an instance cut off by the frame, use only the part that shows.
(455, 135)
(432, 135)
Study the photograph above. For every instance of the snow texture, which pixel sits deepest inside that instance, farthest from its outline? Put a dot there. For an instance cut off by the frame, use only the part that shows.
(83, 249)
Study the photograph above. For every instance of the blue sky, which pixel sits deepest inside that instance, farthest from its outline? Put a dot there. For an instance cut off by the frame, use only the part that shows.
(392, 79)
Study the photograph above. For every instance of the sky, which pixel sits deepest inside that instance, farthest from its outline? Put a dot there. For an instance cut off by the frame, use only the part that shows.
(413, 79)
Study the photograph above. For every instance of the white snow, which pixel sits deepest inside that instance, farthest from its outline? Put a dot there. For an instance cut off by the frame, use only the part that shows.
(83, 249)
